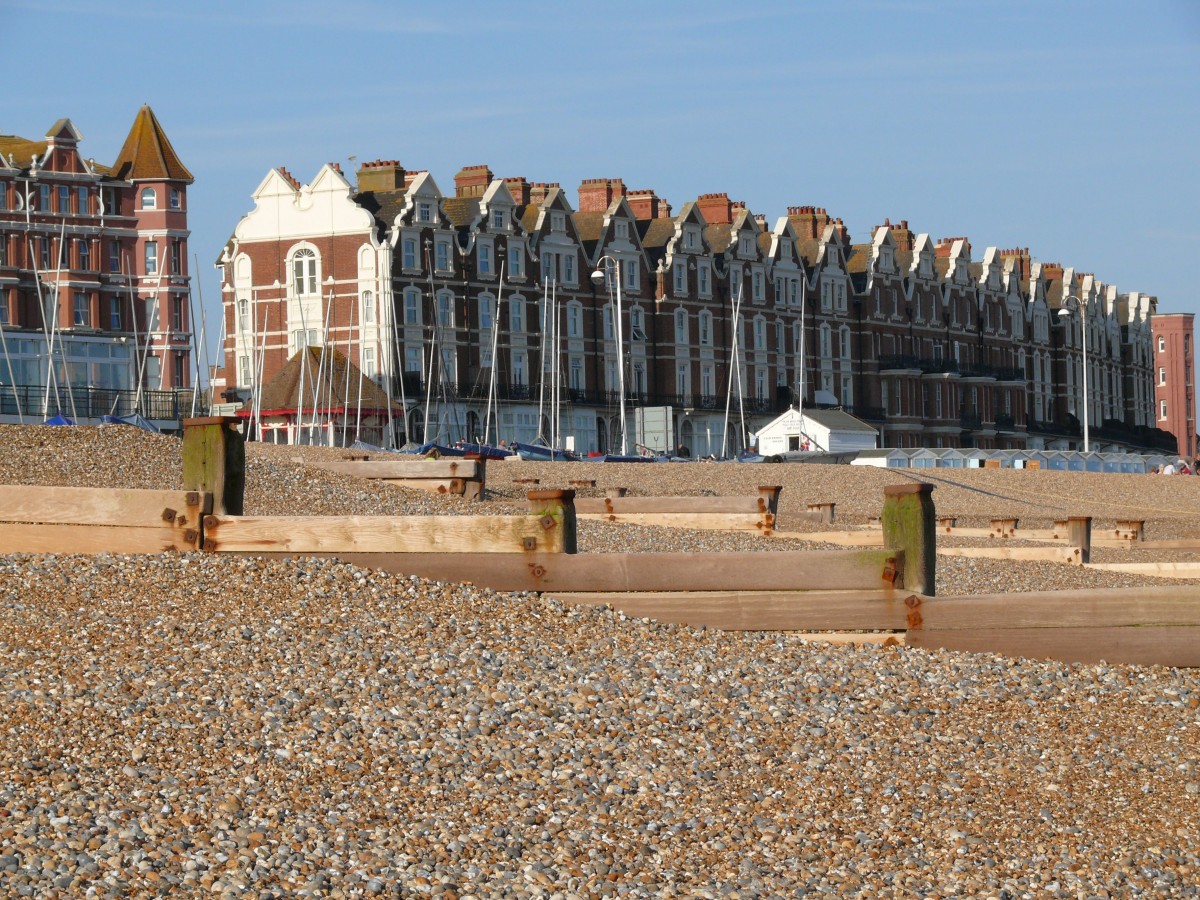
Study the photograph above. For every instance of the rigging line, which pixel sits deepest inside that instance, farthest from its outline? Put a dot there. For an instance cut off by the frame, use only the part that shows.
(346, 386)
(62, 241)
(197, 343)
(433, 335)
(47, 323)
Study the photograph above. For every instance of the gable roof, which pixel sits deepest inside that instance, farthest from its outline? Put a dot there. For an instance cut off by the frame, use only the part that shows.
(838, 420)
(148, 154)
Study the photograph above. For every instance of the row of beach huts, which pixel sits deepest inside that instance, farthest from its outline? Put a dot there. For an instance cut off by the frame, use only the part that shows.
(1063, 460)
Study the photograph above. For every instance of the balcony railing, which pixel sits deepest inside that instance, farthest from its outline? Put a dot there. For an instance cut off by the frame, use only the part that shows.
(1005, 423)
(970, 421)
(82, 402)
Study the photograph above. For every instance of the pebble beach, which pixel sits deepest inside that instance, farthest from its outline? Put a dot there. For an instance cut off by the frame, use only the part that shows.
(188, 724)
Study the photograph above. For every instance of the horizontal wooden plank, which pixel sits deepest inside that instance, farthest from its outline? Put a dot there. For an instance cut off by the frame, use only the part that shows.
(101, 506)
(382, 534)
(757, 610)
(1178, 544)
(1156, 569)
(707, 505)
(1129, 606)
(829, 570)
(1145, 646)
(437, 485)
(1065, 554)
(58, 538)
(762, 523)
(403, 468)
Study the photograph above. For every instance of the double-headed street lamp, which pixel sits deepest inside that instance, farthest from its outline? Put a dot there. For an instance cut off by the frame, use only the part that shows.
(599, 276)
(1065, 312)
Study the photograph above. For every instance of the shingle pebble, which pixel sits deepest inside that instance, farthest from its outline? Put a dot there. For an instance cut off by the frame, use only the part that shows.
(181, 724)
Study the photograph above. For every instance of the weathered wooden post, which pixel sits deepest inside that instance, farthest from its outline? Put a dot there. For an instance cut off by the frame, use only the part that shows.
(1079, 535)
(768, 495)
(614, 492)
(557, 511)
(214, 461)
(910, 524)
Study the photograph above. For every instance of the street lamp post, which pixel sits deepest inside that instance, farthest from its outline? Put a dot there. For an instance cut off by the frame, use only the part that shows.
(1065, 312)
(599, 276)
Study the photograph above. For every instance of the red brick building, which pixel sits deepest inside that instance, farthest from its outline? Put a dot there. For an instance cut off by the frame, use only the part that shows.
(94, 278)
(1175, 379)
(437, 296)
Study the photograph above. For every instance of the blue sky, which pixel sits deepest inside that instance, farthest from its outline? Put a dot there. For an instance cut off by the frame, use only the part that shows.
(1069, 127)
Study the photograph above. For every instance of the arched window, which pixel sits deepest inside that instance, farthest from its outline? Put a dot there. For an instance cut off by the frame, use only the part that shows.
(368, 307)
(149, 198)
(304, 272)
(1162, 344)
(681, 326)
(844, 341)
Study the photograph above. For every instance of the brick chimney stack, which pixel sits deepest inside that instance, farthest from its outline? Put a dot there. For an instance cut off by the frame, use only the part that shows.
(809, 221)
(540, 190)
(1021, 258)
(944, 247)
(597, 194)
(519, 188)
(716, 208)
(472, 181)
(647, 205)
(382, 175)
(903, 236)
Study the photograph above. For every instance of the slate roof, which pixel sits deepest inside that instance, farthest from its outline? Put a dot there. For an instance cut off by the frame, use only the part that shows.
(655, 234)
(462, 211)
(283, 391)
(383, 205)
(718, 237)
(148, 154)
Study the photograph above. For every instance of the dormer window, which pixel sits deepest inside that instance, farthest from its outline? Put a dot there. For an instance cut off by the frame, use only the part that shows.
(746, 245)
(558, 222)
(885, 258)
(499, 219)
(785, 249)
(926, 267)
(689, 239)
(149, 198)
(424, 211)
(622, 229)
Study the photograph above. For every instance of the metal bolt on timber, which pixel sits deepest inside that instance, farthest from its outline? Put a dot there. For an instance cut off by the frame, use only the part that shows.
(910, 525)
(555, 507)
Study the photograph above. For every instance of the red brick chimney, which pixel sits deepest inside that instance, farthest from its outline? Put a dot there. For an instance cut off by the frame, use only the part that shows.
(1022, 258)
(647, 205)
(945, 245)
(809, 221)
(540, 190)
(472, 181)
(716, 208)
(519, 188)
(597, 194)
(903, 236)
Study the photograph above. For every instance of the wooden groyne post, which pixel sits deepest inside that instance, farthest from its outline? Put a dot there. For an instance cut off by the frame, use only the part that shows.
(910, 524)
(214, 461)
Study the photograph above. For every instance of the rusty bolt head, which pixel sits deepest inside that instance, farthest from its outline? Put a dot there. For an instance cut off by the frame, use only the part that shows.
(210, 545)
(191, 536)
(168, 515)
(547, 522)
(529, 543)
(193, 498)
